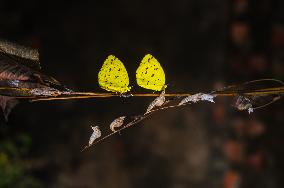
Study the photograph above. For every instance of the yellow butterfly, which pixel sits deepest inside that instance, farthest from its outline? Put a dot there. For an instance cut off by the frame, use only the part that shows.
(150, 74)
(113, 76)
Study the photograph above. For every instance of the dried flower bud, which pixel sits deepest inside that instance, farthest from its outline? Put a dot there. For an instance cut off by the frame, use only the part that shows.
(95, 135)
(243, 103)
(117, 123)
(196, 98)
(159, 101)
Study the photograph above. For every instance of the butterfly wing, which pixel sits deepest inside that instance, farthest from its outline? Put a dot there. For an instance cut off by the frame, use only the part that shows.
(150, 74)
(113, 76)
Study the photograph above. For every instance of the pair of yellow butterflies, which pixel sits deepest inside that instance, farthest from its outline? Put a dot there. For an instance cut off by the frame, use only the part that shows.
(113, 75)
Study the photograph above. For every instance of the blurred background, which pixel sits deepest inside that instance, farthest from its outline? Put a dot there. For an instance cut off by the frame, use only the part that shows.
(202, 45)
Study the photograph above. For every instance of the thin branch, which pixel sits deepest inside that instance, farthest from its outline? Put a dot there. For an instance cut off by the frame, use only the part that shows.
(139, 118)
(88, 95)
(130, 124)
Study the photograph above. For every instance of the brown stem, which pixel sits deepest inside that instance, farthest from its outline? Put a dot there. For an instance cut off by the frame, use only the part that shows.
(88, 95)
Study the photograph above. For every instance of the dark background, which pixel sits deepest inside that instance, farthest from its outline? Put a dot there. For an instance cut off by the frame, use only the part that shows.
(202, 45)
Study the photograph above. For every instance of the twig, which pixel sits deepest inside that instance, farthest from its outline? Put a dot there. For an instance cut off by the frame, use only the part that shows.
(88, 95)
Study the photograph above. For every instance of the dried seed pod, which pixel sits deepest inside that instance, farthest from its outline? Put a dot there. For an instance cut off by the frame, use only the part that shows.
(196, 98)
(207, 97)
(117, 123)
(243, 103)
(192, 98)
(95, 135)
(159, 101)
